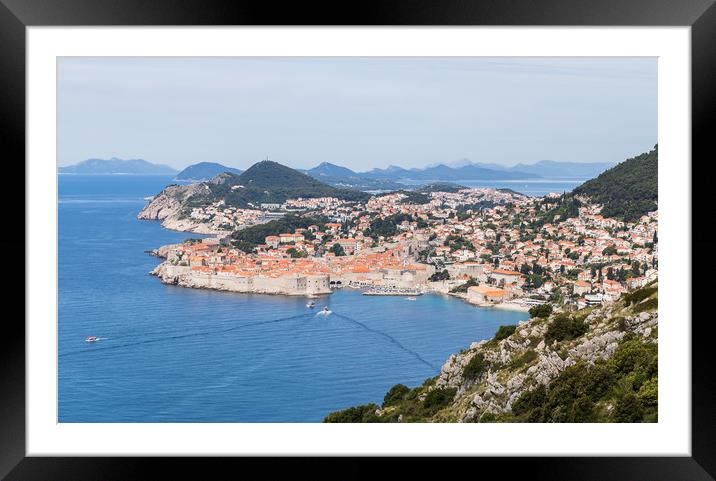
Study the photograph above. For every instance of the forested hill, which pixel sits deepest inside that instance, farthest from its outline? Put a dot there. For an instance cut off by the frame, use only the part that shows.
(266, 182)
(279, 183)
(628, 190)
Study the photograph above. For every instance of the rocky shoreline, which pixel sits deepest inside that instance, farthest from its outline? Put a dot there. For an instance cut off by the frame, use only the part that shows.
(498, 390)
(505, 379)
(167, 205)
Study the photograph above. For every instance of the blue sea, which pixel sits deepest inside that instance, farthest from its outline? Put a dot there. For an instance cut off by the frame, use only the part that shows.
(531, 187)
(172, 354)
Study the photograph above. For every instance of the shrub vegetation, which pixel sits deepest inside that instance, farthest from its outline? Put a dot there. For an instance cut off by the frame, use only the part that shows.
(565, 328)
(504, 332)
(475, 367)
(541, 310)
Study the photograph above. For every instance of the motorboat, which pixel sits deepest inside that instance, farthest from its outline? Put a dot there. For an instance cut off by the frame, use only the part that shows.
(311, 305)
(410, 299)
(92, 339)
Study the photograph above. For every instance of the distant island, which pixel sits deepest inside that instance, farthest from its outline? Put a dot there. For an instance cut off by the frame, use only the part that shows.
(564, 170)
(116, 166)
(466, 170)
(338, 176)
(375, 180)
(395, 178)
(204, 171)
(444, 172)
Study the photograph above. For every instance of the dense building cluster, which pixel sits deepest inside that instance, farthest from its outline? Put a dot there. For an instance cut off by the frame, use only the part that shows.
(486, 245)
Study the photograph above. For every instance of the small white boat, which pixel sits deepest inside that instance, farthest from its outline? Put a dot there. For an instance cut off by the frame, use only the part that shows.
(92, 339)
(311, 305)
(325, 311)
(410, 299)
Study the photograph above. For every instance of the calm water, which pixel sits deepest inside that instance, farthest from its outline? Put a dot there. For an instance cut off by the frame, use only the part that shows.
(184, 355)
(532, 188)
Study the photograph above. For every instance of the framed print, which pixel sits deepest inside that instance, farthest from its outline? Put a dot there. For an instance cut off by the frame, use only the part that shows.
(414, 232)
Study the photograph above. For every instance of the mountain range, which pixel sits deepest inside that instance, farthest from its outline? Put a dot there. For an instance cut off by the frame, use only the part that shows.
(338, 176)
(394, 177)
(390, 178)
(116, 166)
(446, 173)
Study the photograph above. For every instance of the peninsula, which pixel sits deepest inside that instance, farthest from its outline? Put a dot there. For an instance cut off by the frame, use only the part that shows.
(283, 232)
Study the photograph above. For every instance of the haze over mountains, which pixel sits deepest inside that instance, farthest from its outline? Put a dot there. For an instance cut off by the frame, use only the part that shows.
(204, 171)
(117, 166)
(390, 178)
(464, 170)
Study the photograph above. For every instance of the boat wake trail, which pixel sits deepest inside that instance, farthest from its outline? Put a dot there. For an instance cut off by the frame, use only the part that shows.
(106, 347)
(390, 338)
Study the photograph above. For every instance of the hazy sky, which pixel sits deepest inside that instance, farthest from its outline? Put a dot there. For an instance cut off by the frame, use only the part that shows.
(357, 112)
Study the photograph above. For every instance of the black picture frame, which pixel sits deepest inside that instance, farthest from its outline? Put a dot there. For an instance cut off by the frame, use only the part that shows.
(700, 15)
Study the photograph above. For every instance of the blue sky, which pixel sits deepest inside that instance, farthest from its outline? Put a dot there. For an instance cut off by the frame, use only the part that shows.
(357, 112)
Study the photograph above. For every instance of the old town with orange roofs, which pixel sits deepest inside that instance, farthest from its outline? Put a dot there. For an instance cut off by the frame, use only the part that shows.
(490, 247)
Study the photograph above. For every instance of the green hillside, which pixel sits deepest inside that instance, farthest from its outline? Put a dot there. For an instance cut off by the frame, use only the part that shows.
(268, 182)
(247, 239)
(628, 190)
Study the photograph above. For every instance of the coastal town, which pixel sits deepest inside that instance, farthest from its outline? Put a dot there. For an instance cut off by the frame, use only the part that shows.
(490, 247)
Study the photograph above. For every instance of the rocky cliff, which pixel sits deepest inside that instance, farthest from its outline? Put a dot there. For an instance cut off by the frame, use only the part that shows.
(168, 202)
(168, 207)
(594, 365)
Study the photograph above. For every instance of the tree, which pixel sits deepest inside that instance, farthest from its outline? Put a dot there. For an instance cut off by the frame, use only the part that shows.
(295, 253)
(628, 409)
(609, 251)
(337, 249)
(437, 399)
(610, 274)
(440, 276)
(505, 331)
(541, 310)
(475, 367)
(396, 394)
(358, 414)
(564, 328)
